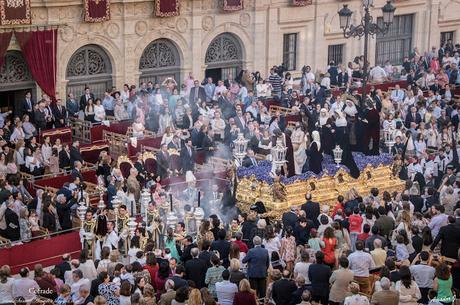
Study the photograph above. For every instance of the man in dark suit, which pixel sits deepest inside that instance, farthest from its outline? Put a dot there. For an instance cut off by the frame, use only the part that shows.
(64, 265)
(413, 116)
(178, 277)
(208, 144)
(64, 157)
(75, 154)
(40, 116)
(188, 246)
(282, 289)
(76, 171)
(222, 246)
(249, 159)
(197, 92)
(312, 210)
(240, 121)
(63, 210)
(258, 262)
(12, 231)
(195, 269)
(450, 239)
(59, 113)
(163, 160)
(187, 156)
(85, 97)
(319, 275)
(290, 218)
(28, 105)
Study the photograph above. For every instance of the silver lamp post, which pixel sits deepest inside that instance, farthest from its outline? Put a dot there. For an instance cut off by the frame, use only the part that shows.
(338, 152)
(239, 151)
(278, 153)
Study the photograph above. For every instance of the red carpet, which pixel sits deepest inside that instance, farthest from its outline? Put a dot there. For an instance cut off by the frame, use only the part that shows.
(47, 252)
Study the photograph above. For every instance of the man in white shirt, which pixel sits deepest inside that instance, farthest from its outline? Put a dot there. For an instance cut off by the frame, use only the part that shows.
(397, 95)
(360, 263)
(301, 268)
(377, 74)
(25, 287)
(225, 290)
(423, 274)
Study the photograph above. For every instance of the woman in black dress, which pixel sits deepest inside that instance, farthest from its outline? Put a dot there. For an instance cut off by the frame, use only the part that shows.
(315, 156)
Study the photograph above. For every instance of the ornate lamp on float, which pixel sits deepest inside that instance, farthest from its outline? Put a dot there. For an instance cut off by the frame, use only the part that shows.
(239, 152)
(171, 219)
(337, 155)
(389, 138)
(101, 203)
(278, 153)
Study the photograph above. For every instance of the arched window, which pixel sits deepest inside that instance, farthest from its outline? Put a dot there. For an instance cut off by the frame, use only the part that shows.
(160, 60)
(14, 73)
(224, 57)
(89, 66)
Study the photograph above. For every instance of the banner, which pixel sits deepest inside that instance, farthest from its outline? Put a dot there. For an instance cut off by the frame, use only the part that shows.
(167, 8)
(233, 5)
(13, 12)
(97, 10)
(301, 2)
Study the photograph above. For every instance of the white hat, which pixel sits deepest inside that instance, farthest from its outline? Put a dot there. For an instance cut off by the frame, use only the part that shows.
(189, 177)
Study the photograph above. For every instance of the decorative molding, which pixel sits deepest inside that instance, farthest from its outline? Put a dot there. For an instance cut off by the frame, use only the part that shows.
(182, 25)
(141, 28)
(112, 30)
(207, 23)
(245, 19)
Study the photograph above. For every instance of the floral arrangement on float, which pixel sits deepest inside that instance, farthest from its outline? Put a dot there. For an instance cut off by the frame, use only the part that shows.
(279, 193)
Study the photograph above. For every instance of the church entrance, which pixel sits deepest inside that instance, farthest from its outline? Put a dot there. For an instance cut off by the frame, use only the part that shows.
(15, 82)
(224, 57)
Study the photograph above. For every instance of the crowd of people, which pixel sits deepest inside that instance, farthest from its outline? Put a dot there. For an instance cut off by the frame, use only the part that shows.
(378, 248)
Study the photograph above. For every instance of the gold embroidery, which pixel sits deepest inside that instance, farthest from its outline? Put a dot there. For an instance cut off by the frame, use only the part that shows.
(14, 3)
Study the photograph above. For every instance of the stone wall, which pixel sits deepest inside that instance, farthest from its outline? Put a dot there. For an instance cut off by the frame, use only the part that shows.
(259, 28)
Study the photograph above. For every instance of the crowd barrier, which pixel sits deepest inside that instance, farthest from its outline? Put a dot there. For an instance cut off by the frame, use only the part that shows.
(47, 252)
(64, 134)
(91, 152)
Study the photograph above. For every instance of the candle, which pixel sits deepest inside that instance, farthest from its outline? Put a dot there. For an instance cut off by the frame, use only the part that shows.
(170, 202)
(199, 198)
(132, 208)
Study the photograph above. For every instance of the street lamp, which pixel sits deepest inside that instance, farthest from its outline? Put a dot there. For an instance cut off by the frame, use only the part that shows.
(365, 28)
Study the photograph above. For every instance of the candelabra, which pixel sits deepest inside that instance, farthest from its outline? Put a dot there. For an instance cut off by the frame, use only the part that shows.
(171, 218)
(365, 28)
(338, 152)
(101, 203)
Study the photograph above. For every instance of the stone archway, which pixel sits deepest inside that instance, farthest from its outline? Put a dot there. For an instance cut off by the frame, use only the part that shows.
(89, 66)
(159, 60)
(224, 57)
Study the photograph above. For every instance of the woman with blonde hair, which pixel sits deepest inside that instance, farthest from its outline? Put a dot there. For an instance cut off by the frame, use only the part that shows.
(204, 234)
(100, 300)
(355, 298)
(246, 296)
(236, 275)
(194, 297)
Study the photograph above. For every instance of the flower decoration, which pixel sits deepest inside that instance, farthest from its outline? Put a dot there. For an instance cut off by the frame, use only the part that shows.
(262, 171)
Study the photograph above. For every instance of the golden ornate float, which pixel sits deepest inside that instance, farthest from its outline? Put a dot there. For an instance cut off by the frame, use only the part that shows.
(279, 197)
